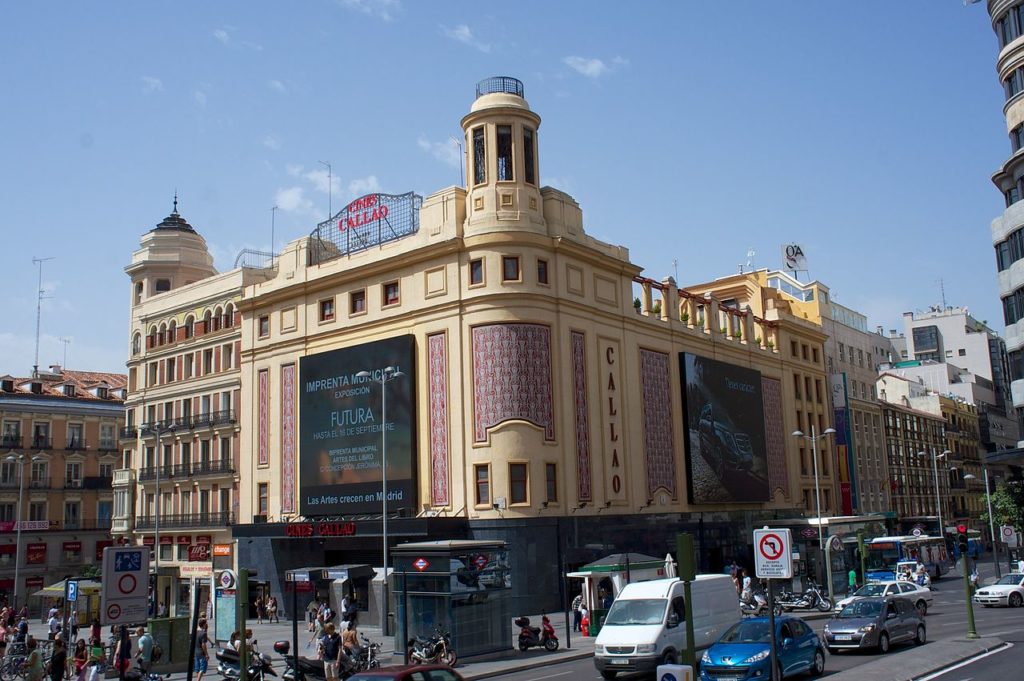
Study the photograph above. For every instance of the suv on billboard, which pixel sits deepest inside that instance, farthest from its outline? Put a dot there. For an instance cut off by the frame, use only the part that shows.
(721, 444)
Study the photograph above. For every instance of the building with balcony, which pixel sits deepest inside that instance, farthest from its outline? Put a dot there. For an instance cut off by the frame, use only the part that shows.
(1008, 229)
(58, 453)
(178, 484)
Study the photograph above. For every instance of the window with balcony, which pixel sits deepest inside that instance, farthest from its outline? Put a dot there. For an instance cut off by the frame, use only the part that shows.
(73, 474)
(7, 512)
(225, 449)
(72, 514)
(40, 474)
(106, 470)
(9, 473)
(11, 435)
(40, 435)
(37, 510)
(108, 437)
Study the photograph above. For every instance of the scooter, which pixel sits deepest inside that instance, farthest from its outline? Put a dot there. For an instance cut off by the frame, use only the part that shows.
(811, 599)
(311, 670)
(227, 661)
(756, 605)
(537, 637)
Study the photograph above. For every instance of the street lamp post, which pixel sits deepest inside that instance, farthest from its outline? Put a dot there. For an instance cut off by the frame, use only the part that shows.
(814, 437)
(385, 375)
(20, 458)
(938, 498)
(991, 522)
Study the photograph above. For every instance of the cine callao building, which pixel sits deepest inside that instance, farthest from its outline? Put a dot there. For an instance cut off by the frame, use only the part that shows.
(521, 379)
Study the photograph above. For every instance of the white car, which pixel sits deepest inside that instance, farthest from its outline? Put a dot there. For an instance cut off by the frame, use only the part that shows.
(1008, 591)
(920, 595)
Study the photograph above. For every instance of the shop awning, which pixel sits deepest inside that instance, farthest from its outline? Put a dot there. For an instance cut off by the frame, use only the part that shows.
(86, 587)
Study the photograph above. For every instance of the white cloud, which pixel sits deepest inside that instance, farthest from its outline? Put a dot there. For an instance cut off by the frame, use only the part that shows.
(589, 67)
(225, 37)
(293, 200)
(277, 85)
(151, 84)
(382, 9)
(445, 152)
(293, 169)
(222, 35)
(271, 142)
(364, 185)
(200, 97)
(463, 34)
(321, 180)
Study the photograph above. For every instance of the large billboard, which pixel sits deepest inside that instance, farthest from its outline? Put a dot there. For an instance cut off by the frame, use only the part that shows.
(727, 455)
(340, 426)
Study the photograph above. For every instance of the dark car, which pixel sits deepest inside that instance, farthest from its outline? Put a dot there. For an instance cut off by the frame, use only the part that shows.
(721, 443)
(875, 623)
(423, 672)
(744, 651)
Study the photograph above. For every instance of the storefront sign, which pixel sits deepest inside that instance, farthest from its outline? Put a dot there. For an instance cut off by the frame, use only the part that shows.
(199, 552)
(340, 426)
(184, 539)
(148, 541)
(28, 525)
(100, 545)
(222, 549)
(35, 554)
(34, 582)
(613, 443)
(72, 546)
(326, 529)
(195, 570)
(203, 539)
(166, 539)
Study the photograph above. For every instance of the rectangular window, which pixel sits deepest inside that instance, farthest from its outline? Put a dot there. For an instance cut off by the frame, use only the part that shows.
(479, 157)
(530, 169)
(182, 552)
(208, 354)
(72, 514)
(188, 367)
(172, 365)
(225, 449)
(391, 296)
(517, 483)
(76, 438)
(6, 515)
(551, 482)
(108, 439)
(505, 173)
(510, 268)
(37, 510)
(842, 352)
(40, 474)
(482, 478)
(264, 326)
(226, 357)
(542, 271)
(357, 302)
(327, 310)
(264, 498)
(73, 474)
(476, 272)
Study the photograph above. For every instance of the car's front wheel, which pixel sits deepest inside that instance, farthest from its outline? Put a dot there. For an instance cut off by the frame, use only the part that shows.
(920, 637)
(883, 643)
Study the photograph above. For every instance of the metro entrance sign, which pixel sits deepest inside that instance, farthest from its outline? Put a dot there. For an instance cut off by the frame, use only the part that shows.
(124, 597)
(773, 558)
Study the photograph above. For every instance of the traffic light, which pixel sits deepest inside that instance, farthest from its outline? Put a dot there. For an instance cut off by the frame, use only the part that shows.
(961, 538)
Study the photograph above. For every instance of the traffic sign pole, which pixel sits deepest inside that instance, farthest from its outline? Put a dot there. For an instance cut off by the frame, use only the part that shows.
(771, 625)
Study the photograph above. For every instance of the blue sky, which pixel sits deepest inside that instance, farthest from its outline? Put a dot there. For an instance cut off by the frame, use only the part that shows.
(866, 131)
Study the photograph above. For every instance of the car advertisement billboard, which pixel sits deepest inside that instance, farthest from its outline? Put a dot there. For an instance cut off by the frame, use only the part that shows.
(340, 428)
(727, 458)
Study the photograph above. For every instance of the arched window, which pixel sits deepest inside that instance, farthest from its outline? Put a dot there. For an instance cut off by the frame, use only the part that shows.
(208, 322)
(189, 322)
(136, 343)
(138, 292)
(162, 335)
(172, 331)
(218, 318)
(229, 316)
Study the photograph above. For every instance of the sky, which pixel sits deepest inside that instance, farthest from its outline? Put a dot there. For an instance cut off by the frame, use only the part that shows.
(688, 131)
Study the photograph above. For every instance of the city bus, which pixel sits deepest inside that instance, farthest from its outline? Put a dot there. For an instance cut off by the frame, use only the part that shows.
(883, 553)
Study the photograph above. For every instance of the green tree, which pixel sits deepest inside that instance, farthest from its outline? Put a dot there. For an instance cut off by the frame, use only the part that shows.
(1007, 506)
(91, 572)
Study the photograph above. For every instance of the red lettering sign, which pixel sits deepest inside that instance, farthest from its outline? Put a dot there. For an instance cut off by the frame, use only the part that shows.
(148, 541)
(199, 552)
(363, 211)
(183, 539)
(336, 529)
(35, 554)
(204, 539)
(100, 545)
(73, 546)
(166, 540)
(299, 530)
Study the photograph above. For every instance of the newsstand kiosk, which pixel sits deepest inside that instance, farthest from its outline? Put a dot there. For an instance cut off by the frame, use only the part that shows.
(464, 587)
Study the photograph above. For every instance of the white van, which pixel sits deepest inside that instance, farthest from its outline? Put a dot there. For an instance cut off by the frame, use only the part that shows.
(646, 624)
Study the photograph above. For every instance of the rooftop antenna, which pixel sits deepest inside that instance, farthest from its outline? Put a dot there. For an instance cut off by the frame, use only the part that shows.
(330, 189)
(675, 268)
(66, 342)
(39, 309)
(942, 291)
(750, 258)
(273, 214)
(462, 160)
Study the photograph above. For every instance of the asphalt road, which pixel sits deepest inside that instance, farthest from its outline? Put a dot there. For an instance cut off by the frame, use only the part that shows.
(947, 618)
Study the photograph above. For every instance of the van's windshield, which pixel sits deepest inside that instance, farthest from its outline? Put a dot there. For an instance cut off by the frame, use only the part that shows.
(639, 611)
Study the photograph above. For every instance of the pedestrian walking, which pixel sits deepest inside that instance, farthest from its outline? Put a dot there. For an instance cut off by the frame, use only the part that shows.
(272, 610)
(330, 648)
(577, 615)
(202, 653)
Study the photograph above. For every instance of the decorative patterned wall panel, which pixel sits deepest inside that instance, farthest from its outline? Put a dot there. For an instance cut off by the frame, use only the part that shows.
(512, 377)
(778, 473)
(658, 435)
(288, 438)
(263, 444)
(437, 375)
(584, 490)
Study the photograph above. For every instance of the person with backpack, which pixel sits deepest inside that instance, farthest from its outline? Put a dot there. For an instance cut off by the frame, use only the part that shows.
(330, 649)
(144, 658)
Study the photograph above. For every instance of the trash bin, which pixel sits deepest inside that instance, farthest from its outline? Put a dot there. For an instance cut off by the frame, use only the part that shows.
(597, 620)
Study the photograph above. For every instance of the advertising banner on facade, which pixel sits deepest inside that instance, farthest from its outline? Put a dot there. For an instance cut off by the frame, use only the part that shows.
(844, 444)
(340, 428)
(727, 457)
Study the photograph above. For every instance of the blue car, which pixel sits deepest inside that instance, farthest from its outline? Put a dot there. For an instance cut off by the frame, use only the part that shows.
(743, 652)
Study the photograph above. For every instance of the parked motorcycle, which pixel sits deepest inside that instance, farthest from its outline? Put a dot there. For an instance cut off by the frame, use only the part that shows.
(313, 670)
(227, 661)
(436, 649)
(811, 599)
(531, 637)
(755, 604)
